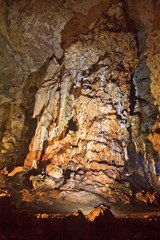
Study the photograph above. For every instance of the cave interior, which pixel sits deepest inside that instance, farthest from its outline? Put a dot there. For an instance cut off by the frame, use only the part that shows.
(80, 119)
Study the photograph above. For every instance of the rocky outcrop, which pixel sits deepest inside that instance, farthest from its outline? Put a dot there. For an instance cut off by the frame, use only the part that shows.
(89, 136)
(92, 89)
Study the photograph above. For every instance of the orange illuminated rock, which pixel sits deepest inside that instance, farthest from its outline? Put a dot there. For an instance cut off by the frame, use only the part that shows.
(85, 123)
(44, 182)
(83, 89)
(18, 170)
(154, 137)
(100, 211)
(146, 197)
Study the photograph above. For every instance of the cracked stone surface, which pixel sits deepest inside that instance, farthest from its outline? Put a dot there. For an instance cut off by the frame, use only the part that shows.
(80, 89)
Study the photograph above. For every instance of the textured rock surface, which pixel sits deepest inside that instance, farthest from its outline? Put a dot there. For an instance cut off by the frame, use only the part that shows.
(81, 79)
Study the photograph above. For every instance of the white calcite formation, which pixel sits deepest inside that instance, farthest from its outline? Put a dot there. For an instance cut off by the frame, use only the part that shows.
(81, 87)
(91, 90)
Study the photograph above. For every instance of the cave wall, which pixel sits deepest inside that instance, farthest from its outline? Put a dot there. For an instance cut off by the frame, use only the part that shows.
(80, 95)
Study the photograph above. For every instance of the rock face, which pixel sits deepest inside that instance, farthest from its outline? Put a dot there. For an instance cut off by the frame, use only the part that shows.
(94, 73)
(100, 211)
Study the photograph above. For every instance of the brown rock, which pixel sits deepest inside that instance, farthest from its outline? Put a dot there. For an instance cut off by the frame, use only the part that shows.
(18, 170)
(43, 183)
(146, 197)
(100, 211)
(95, 100)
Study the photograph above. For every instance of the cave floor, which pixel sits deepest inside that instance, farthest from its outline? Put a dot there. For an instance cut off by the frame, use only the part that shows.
(43, 215)
(49, 202)
(42, 221)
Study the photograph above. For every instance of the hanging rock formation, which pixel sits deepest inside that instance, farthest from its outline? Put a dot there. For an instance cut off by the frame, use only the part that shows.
(83, 83)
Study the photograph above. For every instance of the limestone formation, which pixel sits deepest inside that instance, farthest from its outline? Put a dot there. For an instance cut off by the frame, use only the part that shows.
(80, 95)
(44, 183)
